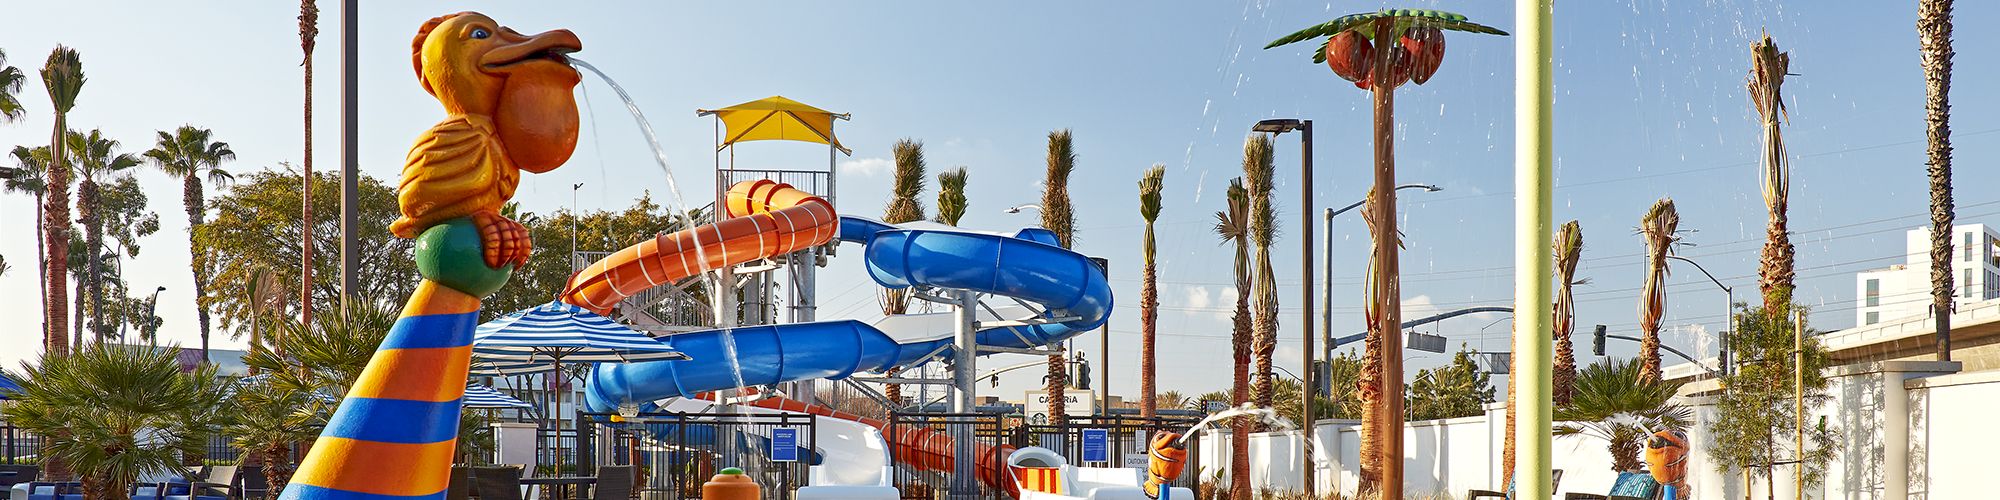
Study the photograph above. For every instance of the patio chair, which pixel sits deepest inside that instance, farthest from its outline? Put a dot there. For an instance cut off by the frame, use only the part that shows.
(252, 482)
(147, 491)
(38, 490)
(1634, 485)
(20, 474)
(497, 483)
(614, 482)
(460, 487)
(1555, 479)
(216, 483)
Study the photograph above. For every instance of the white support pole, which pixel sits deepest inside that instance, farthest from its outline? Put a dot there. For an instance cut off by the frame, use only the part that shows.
(965, 352)
(1534, 100)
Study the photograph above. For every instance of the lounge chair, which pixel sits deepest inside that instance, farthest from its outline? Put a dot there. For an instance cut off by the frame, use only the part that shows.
(1635, 485)
(55, 491)
(252, 482)
(216, 483)
(20, 474)
(497, 483)
(1555, 479)
(614, 482)
(460, 487)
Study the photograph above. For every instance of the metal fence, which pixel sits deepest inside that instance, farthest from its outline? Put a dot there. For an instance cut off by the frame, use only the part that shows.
(949, 455)
(1124, 435)
(674, 453)
(18, 446)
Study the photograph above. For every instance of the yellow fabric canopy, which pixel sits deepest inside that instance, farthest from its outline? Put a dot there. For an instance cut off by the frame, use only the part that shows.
(776, 118)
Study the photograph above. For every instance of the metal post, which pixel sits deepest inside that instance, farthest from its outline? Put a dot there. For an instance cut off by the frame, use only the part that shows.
(965, 353)
(1534, 137)
(1306, 318)
(1326, 302)
(350, 156)
(1799, 404)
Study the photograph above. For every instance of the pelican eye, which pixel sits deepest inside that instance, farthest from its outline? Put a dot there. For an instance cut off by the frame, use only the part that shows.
(480, 33)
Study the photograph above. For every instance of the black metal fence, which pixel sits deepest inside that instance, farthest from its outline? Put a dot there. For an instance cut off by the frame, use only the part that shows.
(948, 455)
(18, 446)
(674, 453)
(1124, 435)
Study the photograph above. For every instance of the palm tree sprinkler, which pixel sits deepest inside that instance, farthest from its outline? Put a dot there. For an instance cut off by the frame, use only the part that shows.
(1357, 47)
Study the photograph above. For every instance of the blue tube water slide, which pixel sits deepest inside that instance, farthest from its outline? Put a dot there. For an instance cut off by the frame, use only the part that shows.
(1027, 266)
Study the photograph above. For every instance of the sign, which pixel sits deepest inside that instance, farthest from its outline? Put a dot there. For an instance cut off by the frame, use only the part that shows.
(1094, 441)
(1137, 461)
(784, 445)
(1079, 403)
(1426, 343)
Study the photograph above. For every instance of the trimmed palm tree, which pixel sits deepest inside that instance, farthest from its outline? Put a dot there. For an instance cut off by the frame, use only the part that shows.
(1258, 172)
(1767, 79)
(10, 91)
(1407, 45)
(112, 414)
(191, 154)
(308, 32)
(1059, 218)
(1934, 44)
(63, 77)
(1615, 402)
(97, 159)
(905, 205)
(1233, 225)
(1568, 252)
(1150, 185)
(951, 202)
(1660, 229)
(29, 176)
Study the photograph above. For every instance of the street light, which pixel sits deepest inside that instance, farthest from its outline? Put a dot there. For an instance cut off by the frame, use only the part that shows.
(1274, 127)
(152, 331)
(1728, 311)
(1018, 208)
(1326, 301)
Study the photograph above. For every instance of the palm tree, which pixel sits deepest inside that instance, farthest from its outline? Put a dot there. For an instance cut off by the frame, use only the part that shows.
(63, 77)
(10, 88)
(1615, 402)
(905, 205)
(1568, 252)
(29, 176)
(97, 160)
(1150, 185)
(1767, 78)
(324, 358)
(951, 201)
(1059, 218)
(308, 31)
(1259, 171)
(112, 414)
(1660, 229)
(1934, 43)
(192, 154)
(1233, 225)
(268, 296)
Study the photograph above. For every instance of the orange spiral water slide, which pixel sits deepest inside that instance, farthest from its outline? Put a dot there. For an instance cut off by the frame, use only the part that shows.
(918, 446)
(766, 218)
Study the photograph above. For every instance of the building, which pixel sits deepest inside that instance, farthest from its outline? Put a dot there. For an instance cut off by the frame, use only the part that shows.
(1903, 290)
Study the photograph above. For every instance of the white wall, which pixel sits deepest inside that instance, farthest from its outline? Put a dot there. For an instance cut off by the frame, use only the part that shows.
(1952, 436)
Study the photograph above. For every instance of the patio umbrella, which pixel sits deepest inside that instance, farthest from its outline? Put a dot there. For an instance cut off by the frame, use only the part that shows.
(480, 396)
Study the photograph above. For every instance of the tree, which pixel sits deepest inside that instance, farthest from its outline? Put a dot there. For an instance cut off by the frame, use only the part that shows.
(97, 160)
(308, 31)
(30, 176)
(1759, 405)
(63, 77)
(1150, 185)
(1934, 44)
(1614, 401)
(192, 155)
(1259, 171)
(126, 221)
(1459, 389)
(318, 360)
(549, 269)
(10, 89)
(1059, 218)
(1233, 225)
(1767, 78)
(951, 201)
(905, 205)
(256, 225)
(112, 413)
(1660, 229)
(1568, 251)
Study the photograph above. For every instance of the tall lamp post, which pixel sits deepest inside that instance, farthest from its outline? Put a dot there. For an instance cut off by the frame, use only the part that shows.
(1278, 126)
(1728, 311)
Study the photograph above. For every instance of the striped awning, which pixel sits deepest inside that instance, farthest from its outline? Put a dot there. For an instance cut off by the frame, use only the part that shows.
(562, 333)
(480, 396)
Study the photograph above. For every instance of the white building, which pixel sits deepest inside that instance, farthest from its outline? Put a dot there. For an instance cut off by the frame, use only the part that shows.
(1903, 290)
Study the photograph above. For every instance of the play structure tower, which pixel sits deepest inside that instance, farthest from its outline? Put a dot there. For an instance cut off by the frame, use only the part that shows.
(509, 105)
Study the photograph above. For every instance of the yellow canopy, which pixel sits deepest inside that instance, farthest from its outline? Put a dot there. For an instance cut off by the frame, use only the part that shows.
(776, 118)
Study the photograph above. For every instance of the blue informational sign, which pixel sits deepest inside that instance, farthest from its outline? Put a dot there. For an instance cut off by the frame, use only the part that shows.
(784, 445)
(1094, 445)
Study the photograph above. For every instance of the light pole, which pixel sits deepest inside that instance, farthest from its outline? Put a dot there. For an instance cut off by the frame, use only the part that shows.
(152, 331)
(573, 216)
(1728, 311)
(1326, 302)
(1275, 127)
(1018, 208)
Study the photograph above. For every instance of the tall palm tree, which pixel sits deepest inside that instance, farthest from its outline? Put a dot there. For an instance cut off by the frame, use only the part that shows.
(308, 32)
(192, 155)
(63, 77)
(1767, 79)
(97, 159)
(1059, 218)
(905, 205)
(1934, 43)
(1150, 185)
(951, 202)
(1568, 252)
(10, 89)
(1614, 402)
(1660, 229)
(1233, 225)
(29, 176)
(1259, 170)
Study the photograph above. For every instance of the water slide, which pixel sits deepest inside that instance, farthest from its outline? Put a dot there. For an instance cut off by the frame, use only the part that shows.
(769, 219)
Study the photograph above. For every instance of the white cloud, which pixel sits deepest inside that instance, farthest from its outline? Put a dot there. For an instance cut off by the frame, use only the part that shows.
(1197, 297)
(865, 167)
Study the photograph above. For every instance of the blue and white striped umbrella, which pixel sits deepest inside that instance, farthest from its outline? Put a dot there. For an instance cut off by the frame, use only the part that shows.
(480, 396)
(558, 333)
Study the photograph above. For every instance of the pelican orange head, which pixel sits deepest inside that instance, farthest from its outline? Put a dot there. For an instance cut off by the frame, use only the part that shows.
(523, 83)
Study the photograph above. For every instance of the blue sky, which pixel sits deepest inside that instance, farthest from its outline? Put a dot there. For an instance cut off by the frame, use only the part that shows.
(1650, 103)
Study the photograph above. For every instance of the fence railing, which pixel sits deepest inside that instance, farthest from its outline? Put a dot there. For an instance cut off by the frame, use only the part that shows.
(1124, 435)
(18, 445)
(674, 453)
(948, 455)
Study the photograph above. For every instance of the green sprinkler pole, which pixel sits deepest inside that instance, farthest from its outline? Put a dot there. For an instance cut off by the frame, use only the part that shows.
(1534, 100)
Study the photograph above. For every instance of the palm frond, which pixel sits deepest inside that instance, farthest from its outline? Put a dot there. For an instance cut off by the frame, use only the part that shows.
(1150, 185)
(907, 184)
(63, 77)
(1058, 215)
(1364, 23)
(1260, 172)
(951, 195)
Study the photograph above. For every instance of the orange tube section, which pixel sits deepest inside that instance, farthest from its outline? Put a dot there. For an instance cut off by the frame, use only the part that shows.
(916, 445)
(766, 218)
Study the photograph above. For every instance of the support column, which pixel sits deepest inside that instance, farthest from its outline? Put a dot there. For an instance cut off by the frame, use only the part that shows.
(964, 352)
(1534, 102)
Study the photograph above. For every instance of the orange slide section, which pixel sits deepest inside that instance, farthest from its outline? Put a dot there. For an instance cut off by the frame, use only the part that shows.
(915, 445)
(766, 218)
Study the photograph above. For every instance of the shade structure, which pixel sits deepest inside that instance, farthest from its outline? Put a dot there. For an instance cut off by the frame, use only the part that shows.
(562, 333)
(480, 396)
(776, 118)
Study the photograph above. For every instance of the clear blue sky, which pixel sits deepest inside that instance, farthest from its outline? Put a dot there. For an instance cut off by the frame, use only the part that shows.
(1650, 104)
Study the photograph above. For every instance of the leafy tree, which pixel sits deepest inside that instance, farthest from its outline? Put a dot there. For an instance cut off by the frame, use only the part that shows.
(112, 414)
(63, 77)
(549, 269)
(10, 88)
(97, 160)
(1150, 185)
(1233, 225)
(256, 226)
(1756, 415)
(1459, 389)
(1059, 217)
(192, 155)
(1615, 402)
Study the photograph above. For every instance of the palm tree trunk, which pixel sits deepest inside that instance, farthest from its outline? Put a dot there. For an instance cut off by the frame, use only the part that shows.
(1388, 292)
(55, 231)
(90, 204)
(41, 259)
(1149, 303)
(308, 28)
(1934, 37)
(191, 199)
(1239, 453)
(1507, 450)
